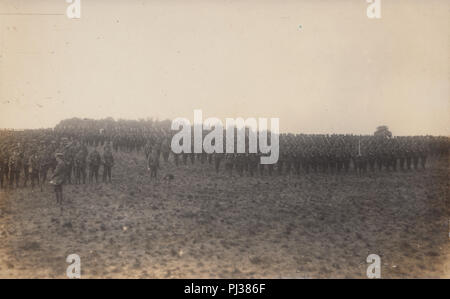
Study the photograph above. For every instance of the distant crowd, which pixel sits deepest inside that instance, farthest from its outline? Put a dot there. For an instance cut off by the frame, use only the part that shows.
(83, 147)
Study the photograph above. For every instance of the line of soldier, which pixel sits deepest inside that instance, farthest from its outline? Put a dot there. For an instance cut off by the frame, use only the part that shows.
(299, 153)
(32, 162)
(330, 154)
(315, 153)
(125, 135)
(84, 164)
(23, 162)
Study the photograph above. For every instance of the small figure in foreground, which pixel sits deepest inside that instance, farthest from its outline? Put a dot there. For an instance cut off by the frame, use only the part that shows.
(58, 178)
(153, 163)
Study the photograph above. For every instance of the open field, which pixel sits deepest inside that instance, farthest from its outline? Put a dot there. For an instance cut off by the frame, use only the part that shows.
(205, 225)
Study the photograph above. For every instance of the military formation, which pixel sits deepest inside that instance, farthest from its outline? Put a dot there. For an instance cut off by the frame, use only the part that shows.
(336, 154)
(329, 154)
(30, 159)
(84, 147)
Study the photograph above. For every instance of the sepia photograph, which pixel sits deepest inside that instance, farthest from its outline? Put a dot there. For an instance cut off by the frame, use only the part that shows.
(220, 140)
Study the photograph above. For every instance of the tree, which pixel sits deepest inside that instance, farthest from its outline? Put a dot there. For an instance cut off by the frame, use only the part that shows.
(383, 131)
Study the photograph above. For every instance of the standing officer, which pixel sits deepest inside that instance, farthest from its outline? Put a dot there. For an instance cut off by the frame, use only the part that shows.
(58, 178)
(108, 163)
(94, 161)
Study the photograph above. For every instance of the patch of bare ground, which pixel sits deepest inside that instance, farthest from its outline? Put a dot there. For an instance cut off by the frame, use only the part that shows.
(206, 225)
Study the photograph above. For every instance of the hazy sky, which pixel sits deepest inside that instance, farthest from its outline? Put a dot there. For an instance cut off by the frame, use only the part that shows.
(320, 66)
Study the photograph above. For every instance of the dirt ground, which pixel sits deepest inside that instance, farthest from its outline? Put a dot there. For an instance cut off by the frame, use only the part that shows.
(204, 225)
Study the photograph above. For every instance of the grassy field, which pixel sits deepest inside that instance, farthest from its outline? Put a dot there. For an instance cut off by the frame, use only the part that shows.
(207, 225)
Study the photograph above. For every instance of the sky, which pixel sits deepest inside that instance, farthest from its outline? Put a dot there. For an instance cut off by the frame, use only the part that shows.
(319, 66)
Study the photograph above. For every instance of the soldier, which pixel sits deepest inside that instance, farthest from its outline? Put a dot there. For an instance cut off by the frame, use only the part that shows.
(371, 158)
(108, 163)
(46, 161)
(408, 159)
(80, 165)
(58, 178)
(300, 161)
(217, 160)
(239, 161)
(289, 161)
(360, 163)
(323, 162)
(339, 158)
(260, 165)
(176, 158)
(229, 161)
(281, 162)
(51, 158)
(157, 146)
(402, 158)
(6, 155)
(147, 149)
(415, 157)
(34, 165)
(385, 156)
(393, 160)
(309, 160)
(347, 160)
(423, 157)
(116, 143)
(14, 169)
(165, 148)
(270, 169)
(379, 160)
(26, 168)
(202, 157)
(2, 167)
(94, 161)
(192, 154)
(19, 167)
(153, 164)
(252, 161)
(312, 160)
(69, 154)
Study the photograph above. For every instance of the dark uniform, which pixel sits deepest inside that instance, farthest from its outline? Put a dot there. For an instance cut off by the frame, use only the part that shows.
(3, 168)
(69, 155)
(14, 166)
(58, 178)
(34, 164)
(165, 149)
(229, 161)
(94, 161)
(108, 163)
(26, 168)
(46, 161)
(153, 163)
(217, 160)
(80, 166)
